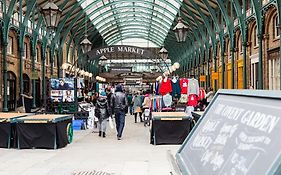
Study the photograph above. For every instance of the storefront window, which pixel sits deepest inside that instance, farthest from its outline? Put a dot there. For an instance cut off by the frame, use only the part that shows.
(276, 29)
(10, 45)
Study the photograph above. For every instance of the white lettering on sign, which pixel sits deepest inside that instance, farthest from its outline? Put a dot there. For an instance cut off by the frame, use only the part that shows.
(232, 112)
(130, 50)
(202, 142)
(239, 162)
(254, 139)
(105, 50)
(210, 126)
(226, 132)
(213, 158)
(219, 109)
(260, 121)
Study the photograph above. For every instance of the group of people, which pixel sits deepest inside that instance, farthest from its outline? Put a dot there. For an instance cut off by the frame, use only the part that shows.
(119, 103)
(108, 104)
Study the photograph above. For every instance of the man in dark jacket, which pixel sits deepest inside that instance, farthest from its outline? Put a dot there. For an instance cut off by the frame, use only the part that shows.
(119, 104)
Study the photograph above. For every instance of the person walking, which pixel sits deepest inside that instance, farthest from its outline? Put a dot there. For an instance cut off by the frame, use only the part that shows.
(102, 112)
(119, 104)
(130, 99)
(137, 106)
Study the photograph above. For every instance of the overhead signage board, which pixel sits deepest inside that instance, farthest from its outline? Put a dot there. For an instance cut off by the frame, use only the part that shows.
(121, 69)
(99, 52)
(238, 134)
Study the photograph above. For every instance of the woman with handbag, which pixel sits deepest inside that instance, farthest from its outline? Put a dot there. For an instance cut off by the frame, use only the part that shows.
(102, 112)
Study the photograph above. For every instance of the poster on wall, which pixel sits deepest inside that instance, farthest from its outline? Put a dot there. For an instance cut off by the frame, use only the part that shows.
(62, 90)
(80, 83)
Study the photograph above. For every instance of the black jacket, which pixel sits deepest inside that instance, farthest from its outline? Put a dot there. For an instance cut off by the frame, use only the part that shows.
(119, 101)
(102, 110)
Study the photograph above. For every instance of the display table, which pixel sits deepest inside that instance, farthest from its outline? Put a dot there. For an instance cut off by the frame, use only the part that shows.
(169, 127)
(7, 133)
(44, 131)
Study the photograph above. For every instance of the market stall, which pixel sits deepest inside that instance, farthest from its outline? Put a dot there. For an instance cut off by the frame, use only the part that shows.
(44, 131)
(6, 128)
(169, 127)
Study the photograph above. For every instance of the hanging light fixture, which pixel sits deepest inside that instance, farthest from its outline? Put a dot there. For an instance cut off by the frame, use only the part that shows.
(163, 53)
(86, 45)
(180, 30)
(51, 14)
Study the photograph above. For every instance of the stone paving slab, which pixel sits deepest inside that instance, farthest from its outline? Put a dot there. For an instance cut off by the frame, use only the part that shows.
(133, 155)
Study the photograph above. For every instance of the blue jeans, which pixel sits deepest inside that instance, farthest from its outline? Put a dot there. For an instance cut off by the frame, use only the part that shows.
(120, 122)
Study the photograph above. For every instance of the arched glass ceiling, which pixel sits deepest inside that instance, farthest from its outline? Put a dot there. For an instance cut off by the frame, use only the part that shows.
(119, 19)
(136, 42)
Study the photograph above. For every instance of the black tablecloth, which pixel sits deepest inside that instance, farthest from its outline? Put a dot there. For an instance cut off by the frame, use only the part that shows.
(5, 134)
(43, 135)
(169, 131)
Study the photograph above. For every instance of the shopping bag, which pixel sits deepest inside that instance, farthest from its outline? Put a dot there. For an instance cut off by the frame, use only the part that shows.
(111, 123)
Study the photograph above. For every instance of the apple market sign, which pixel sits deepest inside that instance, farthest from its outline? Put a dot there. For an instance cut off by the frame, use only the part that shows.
(97, 53)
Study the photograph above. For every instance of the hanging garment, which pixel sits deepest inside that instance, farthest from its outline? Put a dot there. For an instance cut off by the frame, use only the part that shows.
(192, 100)
(156, 88)
(202, 94)
(176, 90)
(183, 99)
(193, 87)
(165, 87)
(183, 85)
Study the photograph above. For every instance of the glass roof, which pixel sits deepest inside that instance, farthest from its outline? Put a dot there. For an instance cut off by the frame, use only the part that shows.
(118, 20)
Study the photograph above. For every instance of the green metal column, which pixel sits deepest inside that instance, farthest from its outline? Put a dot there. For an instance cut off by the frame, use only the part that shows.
(33, 54)
(59, 61)
(21, 47)
(51, 52)
(5, 77)
(43, 72)
(232, 61)
(279, 15)
(260, 65)
(8, 11)
(244, 38)
(222, 63)
(215, 67)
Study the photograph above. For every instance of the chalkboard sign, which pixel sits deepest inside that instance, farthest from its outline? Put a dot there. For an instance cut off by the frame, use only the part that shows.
(239, 134)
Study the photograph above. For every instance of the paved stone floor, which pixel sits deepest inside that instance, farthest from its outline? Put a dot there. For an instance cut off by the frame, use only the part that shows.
(133, 155)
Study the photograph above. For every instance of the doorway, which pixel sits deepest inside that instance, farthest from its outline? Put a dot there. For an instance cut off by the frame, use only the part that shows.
(38, 93)
(11, 90)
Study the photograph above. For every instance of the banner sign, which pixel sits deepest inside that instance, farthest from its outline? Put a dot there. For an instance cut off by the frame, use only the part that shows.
(121, 69)
(239, 134)
(97, 53)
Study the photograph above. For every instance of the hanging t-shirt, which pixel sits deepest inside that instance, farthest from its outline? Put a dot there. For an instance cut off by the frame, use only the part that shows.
(183, 85)
(165, 87)
(202, 94)
(176, 90)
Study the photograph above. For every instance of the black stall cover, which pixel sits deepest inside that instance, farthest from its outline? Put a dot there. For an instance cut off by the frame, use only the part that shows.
(5, 133)
(169, 132)
(43, 135)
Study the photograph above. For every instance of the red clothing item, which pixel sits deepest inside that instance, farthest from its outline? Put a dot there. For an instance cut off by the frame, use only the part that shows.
(165, 87)
(202, 94)
(192, 100)
(183, 85)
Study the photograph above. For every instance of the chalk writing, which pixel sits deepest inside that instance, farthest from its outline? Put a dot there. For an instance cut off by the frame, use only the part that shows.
(202, 142)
